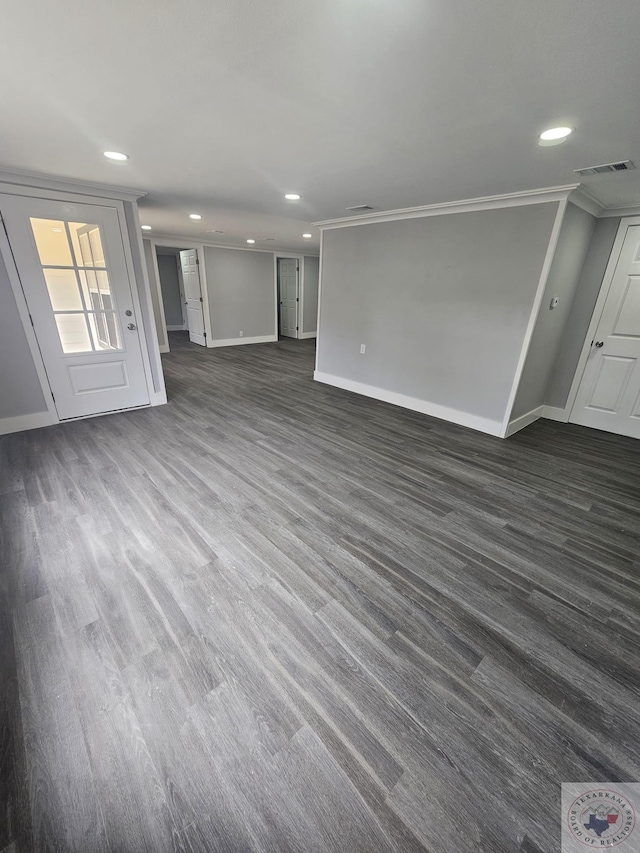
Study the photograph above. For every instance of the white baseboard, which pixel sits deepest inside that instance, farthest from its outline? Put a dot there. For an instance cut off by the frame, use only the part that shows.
(523, 421)
(234, 342)
(414, 403)
(554, 413)
(23, 422)
(175, 328)
(304, 335)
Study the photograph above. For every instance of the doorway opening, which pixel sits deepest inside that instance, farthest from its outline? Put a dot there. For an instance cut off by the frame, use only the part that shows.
(182, 290)
(288, 296)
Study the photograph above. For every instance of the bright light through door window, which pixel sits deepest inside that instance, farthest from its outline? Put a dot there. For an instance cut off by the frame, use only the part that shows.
(75, 271)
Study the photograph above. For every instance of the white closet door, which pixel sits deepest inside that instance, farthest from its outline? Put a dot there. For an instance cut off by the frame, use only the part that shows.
(609, 393)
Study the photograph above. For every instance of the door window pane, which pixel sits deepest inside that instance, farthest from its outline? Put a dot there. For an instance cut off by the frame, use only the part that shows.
(96, 282)
(73, 331)
(83, 287)
(104, 328)
(63, 290)
(87, 244)
(52, 242)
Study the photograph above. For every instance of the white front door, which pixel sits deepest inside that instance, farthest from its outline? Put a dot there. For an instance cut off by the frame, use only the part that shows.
(71, 263)
(609, 394)
(193, 296)
(288, 278)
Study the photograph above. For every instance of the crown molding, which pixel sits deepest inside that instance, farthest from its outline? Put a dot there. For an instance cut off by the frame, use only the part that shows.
(175, 241)
(586, 200)
(35, 180)
(492, 202)
(623, 210)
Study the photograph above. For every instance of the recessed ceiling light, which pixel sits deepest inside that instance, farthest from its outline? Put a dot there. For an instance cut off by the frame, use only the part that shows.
(146, 227)
(556, 133)
(292, 197)
(116, 155)
(251, 241)
(194, 216)
(307, 236)
(554, 136)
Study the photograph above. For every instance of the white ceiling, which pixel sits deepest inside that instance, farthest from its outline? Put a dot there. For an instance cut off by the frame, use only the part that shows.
(225, 106)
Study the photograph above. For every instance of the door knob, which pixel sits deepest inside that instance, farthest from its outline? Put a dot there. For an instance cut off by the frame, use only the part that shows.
(599, 344)
(131, 326)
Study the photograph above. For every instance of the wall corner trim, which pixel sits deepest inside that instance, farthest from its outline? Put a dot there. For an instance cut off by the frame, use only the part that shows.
(535, 311)
(415, 404)
(233, 342)
(586, 200)
(24, 422)
(519, 199)
(555, 413)
(523, 421)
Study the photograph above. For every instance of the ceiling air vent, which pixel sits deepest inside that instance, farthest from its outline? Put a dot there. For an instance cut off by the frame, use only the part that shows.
(358, 208)
(622, 166)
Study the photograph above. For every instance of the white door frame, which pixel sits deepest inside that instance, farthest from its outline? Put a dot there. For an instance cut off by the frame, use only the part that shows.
(51, 416)
(605, 287)
(179, 243)
(300, 302)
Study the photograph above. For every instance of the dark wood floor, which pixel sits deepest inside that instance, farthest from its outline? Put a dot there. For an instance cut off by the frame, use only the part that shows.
(275, 616)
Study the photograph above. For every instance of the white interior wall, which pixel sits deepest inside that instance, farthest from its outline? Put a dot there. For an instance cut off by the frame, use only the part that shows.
(20, 390)
(157, 308)
(579, 318)
(310, 296)
(441, 303)
(242, 297)
(573, 243)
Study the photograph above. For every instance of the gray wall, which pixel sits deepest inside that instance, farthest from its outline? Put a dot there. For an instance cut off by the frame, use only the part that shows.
(170, 286)
(20, 392)
(153, 286)
(584, 300)
(310, 303)
(442, 303)
(573, 243)
(241, 293)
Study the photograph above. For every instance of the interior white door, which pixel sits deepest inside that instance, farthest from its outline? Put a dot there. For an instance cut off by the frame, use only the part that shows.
(193, 296)
(71, 263)
(609, 394)
(288, 278)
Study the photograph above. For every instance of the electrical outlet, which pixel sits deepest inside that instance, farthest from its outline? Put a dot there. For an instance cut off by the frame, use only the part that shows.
(241, 334)
(362, 349)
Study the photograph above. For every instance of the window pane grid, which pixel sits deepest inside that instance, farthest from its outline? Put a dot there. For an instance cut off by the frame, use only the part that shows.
(79, 293)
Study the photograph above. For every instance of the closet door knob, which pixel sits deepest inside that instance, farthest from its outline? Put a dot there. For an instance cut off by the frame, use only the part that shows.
(599, 344)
